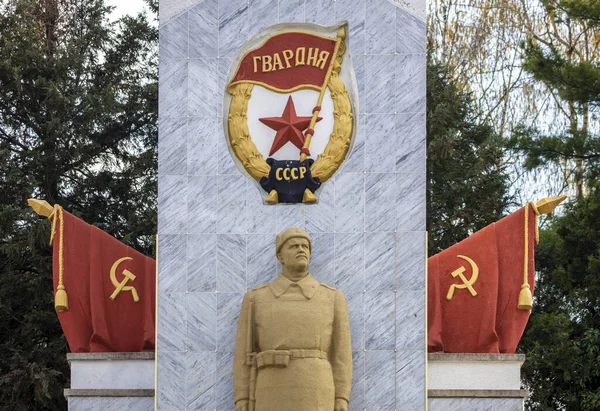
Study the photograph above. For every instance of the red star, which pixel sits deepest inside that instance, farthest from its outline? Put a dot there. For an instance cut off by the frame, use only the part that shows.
(289, 127)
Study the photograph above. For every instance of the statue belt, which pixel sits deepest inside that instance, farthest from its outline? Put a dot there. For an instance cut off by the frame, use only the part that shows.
(281, 358)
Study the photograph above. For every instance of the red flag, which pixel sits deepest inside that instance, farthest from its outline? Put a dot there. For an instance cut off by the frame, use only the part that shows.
(474, 288)
(110, 289)
(462, 293)
(288, 61)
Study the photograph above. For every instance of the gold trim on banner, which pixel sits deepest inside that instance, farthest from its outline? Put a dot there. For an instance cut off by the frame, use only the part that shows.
(525, 297)
(276, 89)
(44, 209)
(61, 301)
(544, 206)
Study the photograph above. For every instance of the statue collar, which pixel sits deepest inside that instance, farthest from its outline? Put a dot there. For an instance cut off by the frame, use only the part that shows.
(308, 285)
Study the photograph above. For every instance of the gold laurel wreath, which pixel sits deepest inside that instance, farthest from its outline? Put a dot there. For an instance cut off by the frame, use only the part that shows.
(339, 140)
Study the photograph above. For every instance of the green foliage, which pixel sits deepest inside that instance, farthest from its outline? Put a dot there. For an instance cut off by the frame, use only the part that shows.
(543, 149)
(562, 339)
(567, 65)
(588, 10)
(467, 186)
(577, 81)
(480, 39)
(78, 110)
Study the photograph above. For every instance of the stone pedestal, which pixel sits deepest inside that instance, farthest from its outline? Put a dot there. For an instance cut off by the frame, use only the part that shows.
(486, 382)
(111, 382)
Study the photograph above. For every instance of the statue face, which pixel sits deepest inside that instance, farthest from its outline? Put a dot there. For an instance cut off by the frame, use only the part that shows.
(295, 254)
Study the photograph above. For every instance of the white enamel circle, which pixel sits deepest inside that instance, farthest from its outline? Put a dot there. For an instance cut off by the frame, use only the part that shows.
(267, 103)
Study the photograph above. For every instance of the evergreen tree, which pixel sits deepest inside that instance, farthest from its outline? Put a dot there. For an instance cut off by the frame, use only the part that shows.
(78, 110)
(562, 339)
(567, 65)
(467, 185)
(588, 10)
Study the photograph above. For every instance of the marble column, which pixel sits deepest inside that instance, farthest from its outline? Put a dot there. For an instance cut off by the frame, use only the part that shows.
(216, 238)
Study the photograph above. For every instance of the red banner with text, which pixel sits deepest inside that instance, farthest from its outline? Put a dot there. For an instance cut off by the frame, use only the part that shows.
(110, 289)
(288, 61)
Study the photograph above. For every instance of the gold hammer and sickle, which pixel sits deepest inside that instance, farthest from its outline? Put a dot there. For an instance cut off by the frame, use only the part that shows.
(121, 286)
(466, 283)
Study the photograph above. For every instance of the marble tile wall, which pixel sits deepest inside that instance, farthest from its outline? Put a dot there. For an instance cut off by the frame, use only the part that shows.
(110, 403)
(476, 404)
(216, 239)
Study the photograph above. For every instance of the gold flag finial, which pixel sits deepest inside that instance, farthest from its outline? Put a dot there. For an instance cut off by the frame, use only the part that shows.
(548, 204)
(41, 207)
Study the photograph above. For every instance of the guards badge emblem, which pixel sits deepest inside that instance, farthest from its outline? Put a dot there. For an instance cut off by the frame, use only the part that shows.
(289, 110)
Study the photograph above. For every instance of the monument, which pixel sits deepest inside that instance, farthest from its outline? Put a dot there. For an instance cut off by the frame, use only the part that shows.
(338, 153)
(305, 119)
(216, 229)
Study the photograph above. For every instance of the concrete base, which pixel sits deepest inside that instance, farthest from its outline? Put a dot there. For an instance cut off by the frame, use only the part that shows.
(111, 382)
(456, 382)
(486, 382)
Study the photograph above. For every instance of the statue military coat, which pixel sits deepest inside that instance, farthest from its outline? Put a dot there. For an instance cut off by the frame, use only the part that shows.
(297, 335)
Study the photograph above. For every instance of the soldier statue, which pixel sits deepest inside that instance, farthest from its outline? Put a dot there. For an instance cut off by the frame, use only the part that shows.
(292, 350)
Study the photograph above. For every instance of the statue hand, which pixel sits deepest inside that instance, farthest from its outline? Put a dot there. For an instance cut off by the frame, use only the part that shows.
(341, 404)
(241, 405)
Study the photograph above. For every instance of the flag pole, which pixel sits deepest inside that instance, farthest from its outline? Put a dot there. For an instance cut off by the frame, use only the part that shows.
(304, 153)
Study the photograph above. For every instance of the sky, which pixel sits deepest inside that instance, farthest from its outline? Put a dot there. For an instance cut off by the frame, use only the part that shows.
(126, 7)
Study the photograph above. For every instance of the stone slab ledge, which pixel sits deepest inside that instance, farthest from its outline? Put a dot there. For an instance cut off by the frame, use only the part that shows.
(472, 357)
(477, 394)
(110, 356)
(107, 393)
